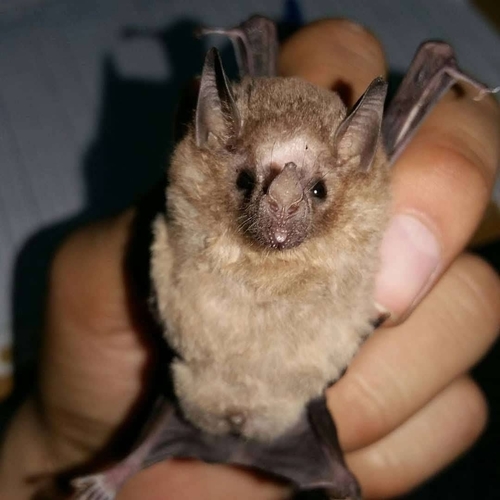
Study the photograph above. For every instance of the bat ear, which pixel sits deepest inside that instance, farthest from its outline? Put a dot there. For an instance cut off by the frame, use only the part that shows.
(216, 111)
(357, 137)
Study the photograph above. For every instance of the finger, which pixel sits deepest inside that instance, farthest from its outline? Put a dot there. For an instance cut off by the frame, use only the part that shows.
(400, 369)
(441, 186)
(188, 480)
(423, 445)
(334, 53)
(92, 360)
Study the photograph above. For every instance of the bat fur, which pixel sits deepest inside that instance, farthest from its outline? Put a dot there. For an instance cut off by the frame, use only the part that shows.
(259, 330)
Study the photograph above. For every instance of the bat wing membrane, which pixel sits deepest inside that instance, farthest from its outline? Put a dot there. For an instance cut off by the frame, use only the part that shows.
(432, 72)
(256, 45)
(308, 456)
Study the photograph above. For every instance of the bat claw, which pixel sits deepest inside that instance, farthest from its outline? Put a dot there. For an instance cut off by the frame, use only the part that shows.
(95, 487)
(486, 91)
(380, 320)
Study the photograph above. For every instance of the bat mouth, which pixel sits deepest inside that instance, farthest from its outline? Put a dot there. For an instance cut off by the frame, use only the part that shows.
(280, 230)
(283, 237)
(280, 236)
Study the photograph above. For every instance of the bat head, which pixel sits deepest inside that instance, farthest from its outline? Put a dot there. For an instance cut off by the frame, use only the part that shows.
(280, 158)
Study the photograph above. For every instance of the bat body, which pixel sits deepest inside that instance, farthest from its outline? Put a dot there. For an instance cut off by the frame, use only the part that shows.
(263, 267)
(264, 283)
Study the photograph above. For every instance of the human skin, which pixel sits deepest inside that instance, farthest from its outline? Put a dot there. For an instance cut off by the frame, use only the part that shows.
(396, 406)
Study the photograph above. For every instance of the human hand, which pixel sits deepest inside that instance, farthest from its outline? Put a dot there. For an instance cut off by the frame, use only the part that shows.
(395, 408)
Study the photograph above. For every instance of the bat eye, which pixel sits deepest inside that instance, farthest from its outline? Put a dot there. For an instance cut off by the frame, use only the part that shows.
(319, 190)
(245, 181)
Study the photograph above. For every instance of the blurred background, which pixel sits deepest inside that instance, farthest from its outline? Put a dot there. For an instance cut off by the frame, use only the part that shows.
(87, 94)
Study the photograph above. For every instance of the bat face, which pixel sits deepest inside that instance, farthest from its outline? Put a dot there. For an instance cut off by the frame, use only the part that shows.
(285, 187)
(275, 172)
(287, 192)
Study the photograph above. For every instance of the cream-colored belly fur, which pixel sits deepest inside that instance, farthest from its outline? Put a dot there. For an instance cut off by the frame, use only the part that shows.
(249, 360)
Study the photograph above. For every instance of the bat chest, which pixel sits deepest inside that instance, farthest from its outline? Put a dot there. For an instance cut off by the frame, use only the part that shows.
(254, 358)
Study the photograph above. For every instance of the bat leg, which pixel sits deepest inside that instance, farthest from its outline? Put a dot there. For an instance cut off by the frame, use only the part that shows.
(105, 485)
(98, 486)
(308, 456)
(255, 42)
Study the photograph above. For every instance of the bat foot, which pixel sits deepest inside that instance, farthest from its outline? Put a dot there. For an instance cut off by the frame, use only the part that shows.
(95, 487)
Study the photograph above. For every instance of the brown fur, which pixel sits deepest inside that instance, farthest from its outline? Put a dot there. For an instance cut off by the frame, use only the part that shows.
(259, 331)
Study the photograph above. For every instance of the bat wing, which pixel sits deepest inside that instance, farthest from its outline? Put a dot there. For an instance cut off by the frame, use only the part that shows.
(308, 456)
(432, 72)
(255, 43)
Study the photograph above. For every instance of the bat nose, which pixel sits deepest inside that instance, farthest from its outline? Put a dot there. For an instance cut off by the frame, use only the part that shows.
(280, 210)
(285, 191)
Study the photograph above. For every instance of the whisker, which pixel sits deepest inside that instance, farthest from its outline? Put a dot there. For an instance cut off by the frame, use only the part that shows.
(247, 222)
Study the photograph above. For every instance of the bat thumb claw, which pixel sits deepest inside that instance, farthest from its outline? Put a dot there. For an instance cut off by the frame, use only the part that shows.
(486, 91)
(95, 487)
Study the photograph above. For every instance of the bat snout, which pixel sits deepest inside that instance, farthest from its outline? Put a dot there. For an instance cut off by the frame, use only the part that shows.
(283, 226)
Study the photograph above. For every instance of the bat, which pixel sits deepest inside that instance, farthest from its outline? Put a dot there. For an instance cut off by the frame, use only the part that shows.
(263, 260)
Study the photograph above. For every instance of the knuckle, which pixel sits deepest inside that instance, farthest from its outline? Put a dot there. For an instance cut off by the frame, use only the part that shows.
(434, 172)
(480, 286)
(464, 168)
(372, 414)
(349, 28)
(437, 172)
(338, 47)
(473, 135)
(359, 39)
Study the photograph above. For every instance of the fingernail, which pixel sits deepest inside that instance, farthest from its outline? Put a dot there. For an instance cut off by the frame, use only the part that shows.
(410, 257)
